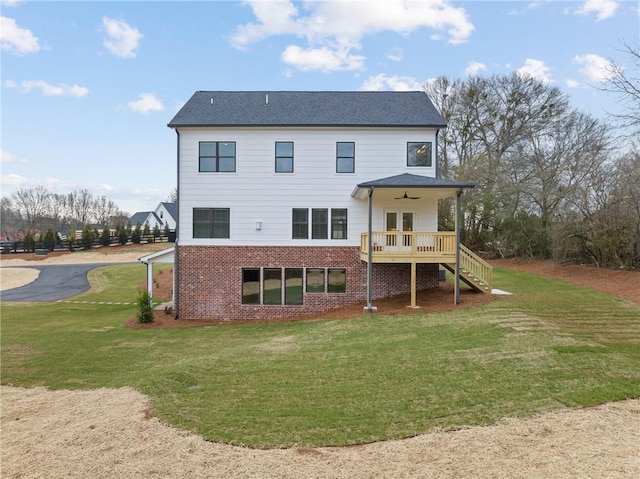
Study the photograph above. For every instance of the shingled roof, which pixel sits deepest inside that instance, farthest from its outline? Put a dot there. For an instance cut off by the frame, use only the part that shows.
(308, 108)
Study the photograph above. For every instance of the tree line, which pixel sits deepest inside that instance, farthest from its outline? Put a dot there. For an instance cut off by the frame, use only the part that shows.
(552, 182)
(36, 208)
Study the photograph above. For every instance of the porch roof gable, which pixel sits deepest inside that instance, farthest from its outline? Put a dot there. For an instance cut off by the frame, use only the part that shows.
(409, 180)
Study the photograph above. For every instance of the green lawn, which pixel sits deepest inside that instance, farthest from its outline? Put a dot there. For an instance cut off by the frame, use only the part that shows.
(336, 382)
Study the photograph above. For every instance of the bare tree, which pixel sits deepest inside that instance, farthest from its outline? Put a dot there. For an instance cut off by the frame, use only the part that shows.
(626, 84)
(105, 210)
(32, 204)
(82, 205)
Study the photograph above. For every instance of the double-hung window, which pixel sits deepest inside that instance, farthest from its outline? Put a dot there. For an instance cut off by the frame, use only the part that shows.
(345, 157)
(338, 223)
(319, 223)
(419, 154)
(300, 223)
(321, 220)
(284, 156)
(211, 222)
(217, 156)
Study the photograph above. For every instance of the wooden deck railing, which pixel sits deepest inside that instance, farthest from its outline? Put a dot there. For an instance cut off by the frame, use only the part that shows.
(439, 245)
(475, 265)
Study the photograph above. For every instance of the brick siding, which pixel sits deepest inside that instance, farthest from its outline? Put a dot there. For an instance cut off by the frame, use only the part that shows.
(210, 279)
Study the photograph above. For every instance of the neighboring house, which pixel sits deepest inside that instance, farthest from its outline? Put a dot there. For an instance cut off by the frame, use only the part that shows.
(165, 214)
(292, 203)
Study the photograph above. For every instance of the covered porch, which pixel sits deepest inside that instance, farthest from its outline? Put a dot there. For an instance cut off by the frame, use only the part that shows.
(399, 243)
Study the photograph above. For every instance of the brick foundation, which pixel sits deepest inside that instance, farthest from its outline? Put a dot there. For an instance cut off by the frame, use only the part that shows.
(210, 279)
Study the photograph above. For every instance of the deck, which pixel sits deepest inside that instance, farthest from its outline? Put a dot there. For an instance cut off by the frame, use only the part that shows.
(427, 247)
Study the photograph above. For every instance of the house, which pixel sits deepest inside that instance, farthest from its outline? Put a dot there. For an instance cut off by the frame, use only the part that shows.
(164, 215)
(292, 203)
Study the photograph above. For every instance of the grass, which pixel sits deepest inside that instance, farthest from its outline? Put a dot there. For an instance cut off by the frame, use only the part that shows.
(338, 382)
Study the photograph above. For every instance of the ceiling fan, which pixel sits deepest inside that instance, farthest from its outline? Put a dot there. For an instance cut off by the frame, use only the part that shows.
(407, 197)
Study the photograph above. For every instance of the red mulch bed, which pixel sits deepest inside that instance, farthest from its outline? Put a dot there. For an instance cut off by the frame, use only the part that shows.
(620, 283)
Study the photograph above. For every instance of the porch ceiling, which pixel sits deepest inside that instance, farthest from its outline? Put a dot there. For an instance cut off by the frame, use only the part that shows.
(438, 187)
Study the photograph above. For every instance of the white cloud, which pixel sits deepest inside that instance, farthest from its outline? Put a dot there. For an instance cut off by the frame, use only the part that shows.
(536, 69)
(123, 40)
(594, 67)
(339, 26)
(9, 3)
(384, 82)
(603, 8)
(396, 54)
(48, 90)
(571, 83)
(15, 39)
(13, 180)
(7, 157)
(146, 103)
(474, 68)
(324, 59)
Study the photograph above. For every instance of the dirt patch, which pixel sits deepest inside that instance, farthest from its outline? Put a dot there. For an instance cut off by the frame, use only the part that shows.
(15, 277)
(110, 433)
(428, 301)
(101, 254)
(620, 283)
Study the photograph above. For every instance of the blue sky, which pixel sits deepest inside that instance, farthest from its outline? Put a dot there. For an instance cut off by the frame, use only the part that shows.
(88, 87)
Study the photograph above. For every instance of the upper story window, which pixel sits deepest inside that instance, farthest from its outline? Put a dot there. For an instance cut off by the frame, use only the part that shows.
(211, 222)
(217, 156)
(284, 156)
(419, 154)
(345, 157)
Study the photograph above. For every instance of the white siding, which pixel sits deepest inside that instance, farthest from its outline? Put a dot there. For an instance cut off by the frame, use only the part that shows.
(256, 193)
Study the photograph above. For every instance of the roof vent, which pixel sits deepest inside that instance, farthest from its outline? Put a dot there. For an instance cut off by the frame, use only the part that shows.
(212, 101)
(266, 99)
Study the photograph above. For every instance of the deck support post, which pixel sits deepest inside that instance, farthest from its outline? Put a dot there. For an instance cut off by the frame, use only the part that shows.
(457, 265)
(370, 308)
(413, 284)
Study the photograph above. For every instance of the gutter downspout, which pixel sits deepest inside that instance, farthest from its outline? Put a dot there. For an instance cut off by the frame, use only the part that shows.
(436, 155)
(458, 227)
(176, 255)
(369, 308)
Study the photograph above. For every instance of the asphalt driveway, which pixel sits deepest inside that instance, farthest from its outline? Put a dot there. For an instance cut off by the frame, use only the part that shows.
(55, 282)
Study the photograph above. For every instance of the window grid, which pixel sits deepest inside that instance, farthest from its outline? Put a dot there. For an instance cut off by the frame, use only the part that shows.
(217, 156)
(284, 156)
(345, 157)
(211, 222)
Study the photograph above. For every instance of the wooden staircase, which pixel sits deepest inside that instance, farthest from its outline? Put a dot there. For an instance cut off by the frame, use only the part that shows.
(474, 271)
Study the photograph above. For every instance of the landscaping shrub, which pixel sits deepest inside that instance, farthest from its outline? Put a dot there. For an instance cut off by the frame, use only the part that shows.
(136, 234)
(145, 307)
(50, 239)
(105, 236)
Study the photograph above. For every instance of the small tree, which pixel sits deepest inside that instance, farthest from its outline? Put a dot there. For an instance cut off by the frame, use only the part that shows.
(167, 231)
(136, 234)
(88, 235)
(105, 236)
(145, 307)
(156, 233)
(72, 241)
(50, 239)
(121, 233)
(29, 242)
(146, 232)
